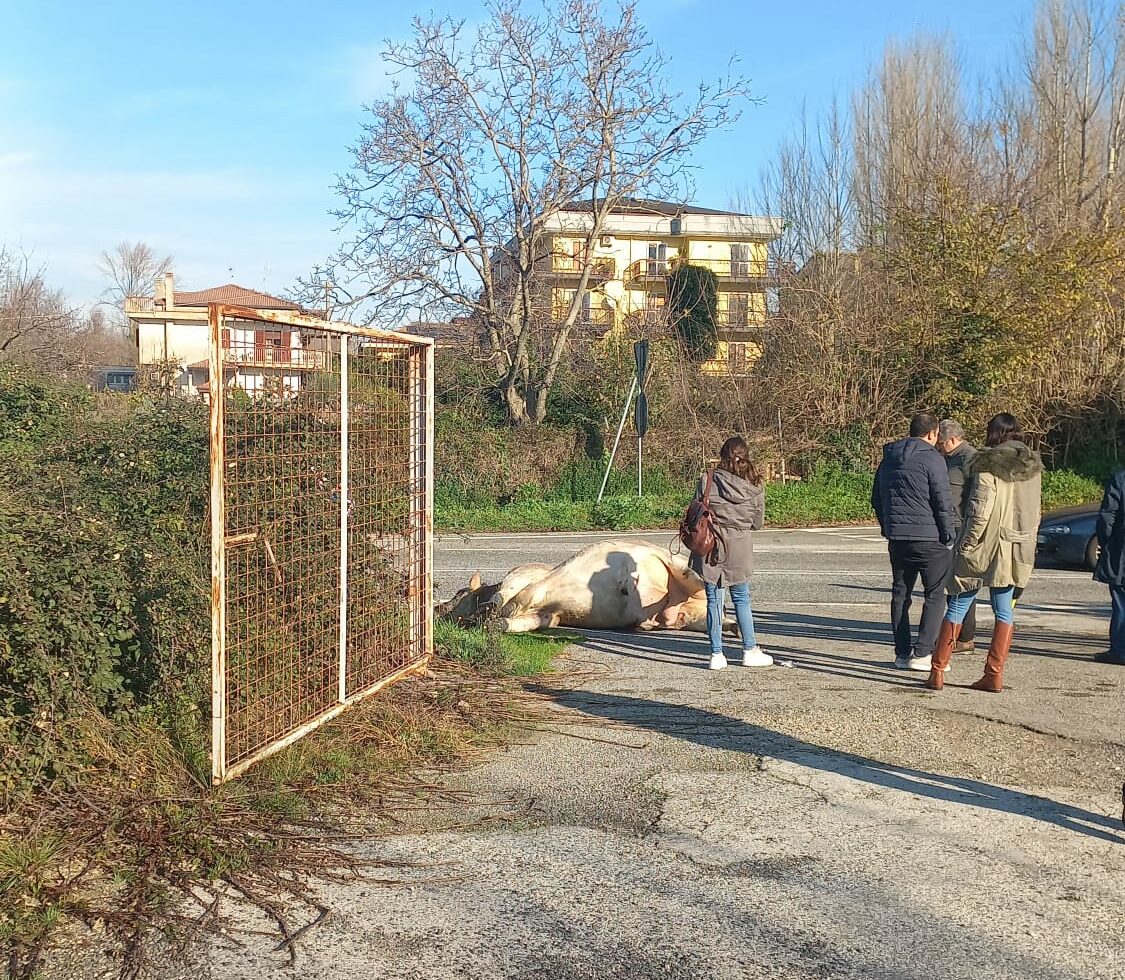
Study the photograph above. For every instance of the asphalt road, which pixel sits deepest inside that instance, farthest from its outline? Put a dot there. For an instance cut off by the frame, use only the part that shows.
(827, 568)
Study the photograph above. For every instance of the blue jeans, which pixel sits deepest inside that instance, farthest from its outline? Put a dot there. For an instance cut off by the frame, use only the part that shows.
(740, 596)
(1002, 599)
(1116, 621)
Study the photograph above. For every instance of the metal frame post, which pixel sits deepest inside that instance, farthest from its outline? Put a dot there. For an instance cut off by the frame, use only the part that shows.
(422, 435)
(343, 666)
(218, 551)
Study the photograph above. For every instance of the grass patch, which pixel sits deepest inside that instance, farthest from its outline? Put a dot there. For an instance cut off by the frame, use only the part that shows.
(505, 654)
(831, 496)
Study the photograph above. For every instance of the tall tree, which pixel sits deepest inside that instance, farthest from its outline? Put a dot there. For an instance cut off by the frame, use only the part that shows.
(495, 129)
(131, 268)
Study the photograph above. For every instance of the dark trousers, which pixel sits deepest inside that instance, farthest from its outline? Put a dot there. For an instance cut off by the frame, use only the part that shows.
(910, 559)
(1117, 620)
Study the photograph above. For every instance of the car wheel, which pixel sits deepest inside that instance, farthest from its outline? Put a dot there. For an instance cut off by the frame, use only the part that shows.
(1092, 553)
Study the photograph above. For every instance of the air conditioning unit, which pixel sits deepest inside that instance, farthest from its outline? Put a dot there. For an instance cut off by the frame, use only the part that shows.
(606, 241)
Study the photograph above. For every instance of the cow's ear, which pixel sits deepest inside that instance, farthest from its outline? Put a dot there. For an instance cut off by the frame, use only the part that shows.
(474, 582)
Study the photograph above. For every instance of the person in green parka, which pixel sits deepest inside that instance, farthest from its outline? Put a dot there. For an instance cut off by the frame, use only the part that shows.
(995, 547)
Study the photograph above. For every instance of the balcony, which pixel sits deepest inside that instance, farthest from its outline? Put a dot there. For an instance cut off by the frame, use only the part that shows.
(648, 273)
(733, 274)
(265, 355)
(749, 273)
(736, 320)
(570, 267)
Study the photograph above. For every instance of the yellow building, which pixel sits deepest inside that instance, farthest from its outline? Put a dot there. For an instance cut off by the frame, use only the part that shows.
(641, 243)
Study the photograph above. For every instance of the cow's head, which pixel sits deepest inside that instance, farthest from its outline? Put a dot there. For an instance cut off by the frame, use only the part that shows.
(471, 606)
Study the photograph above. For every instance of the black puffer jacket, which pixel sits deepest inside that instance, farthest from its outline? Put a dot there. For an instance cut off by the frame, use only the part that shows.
(1111, 532)
(911, 493)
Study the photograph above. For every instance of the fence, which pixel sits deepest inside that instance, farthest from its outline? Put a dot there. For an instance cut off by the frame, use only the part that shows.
(321, 523)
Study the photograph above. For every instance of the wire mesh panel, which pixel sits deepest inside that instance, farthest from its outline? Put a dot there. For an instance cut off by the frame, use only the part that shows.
(321, 523)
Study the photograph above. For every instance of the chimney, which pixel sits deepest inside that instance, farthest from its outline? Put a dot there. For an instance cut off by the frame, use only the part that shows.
(164, 297)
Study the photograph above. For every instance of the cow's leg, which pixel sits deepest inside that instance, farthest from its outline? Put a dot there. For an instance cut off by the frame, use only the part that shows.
(730, 625)
(529, 623)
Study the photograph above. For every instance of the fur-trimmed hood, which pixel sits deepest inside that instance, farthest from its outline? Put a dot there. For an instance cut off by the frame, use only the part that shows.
(1012, 461)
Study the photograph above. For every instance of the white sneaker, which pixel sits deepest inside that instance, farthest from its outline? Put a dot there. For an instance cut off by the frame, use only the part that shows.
(718, 661)
(919, 663)
(756, 658)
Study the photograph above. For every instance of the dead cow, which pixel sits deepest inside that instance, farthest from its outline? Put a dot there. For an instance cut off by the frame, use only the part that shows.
(612, 585)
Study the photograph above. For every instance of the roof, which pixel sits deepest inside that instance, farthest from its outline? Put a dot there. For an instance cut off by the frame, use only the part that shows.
(640, 205)
(235, 295)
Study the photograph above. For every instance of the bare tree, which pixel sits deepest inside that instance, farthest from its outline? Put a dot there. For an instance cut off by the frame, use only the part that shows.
(131, 269)
(36, 322)
(496, 129)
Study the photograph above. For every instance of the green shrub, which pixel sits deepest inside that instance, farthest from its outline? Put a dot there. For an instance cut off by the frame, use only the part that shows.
(103, 535)
(1062, 488)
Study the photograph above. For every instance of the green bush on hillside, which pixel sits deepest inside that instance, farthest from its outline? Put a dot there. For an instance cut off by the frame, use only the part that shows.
(102, 532)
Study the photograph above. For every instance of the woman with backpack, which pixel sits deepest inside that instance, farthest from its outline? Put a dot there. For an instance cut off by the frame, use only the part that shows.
(734, 495)
(995, 547)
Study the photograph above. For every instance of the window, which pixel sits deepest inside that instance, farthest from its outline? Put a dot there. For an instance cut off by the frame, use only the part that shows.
(657, 259)
(741, 356)
(272, 346)
(740, 261)
(738, 310)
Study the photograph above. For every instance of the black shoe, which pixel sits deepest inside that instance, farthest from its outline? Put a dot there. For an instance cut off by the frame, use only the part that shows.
(1109, 657)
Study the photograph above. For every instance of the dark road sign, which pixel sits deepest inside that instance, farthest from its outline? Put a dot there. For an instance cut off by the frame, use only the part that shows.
(641, 414)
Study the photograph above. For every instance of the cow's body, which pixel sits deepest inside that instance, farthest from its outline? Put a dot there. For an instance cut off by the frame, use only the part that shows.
(613, 585)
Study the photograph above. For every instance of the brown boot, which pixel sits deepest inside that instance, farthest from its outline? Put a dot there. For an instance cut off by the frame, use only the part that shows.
(993, 679)
(943, 653)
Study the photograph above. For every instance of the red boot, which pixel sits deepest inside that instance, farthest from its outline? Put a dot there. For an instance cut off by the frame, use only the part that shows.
(993, 679)
(943, 653)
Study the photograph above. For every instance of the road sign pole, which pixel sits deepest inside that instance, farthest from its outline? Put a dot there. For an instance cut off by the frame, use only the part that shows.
(617, 438)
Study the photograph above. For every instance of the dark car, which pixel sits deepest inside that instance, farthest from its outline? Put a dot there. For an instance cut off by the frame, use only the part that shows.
(1067, 536)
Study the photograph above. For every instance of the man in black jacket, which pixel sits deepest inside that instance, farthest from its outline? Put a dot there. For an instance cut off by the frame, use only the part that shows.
(1111, 566)
(957, 452)
(912, 501)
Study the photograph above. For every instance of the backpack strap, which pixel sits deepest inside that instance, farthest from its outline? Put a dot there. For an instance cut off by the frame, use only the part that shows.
(706, 498)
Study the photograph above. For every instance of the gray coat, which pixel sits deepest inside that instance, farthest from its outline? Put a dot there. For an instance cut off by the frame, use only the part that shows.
(956, 464)
(739, 508)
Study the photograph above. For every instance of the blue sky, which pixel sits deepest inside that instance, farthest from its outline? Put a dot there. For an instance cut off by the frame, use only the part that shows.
(213, 130)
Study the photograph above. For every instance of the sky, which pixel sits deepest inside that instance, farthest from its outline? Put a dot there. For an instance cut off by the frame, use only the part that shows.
(213, 131)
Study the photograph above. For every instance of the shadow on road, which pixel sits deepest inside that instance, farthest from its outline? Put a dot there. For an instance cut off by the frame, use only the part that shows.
(713, 730)
(1029, 639)
(691, 650)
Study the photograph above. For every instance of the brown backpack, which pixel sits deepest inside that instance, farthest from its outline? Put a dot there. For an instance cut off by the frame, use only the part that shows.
(699, 532)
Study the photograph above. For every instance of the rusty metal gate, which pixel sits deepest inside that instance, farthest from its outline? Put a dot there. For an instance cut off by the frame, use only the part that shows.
(321, 522)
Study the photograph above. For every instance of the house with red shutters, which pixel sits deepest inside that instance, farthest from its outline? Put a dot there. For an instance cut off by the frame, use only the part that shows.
(171, 330)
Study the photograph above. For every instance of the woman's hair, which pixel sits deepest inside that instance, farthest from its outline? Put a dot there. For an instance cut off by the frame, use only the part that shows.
(734, 457)
(1002, 428)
